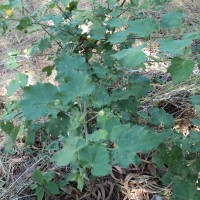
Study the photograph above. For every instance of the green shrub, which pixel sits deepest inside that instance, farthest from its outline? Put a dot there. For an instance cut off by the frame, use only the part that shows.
(95, 113)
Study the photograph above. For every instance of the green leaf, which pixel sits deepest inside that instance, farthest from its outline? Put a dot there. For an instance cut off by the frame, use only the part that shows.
(49, 175)
(142, 27)
(7, 127)
(14, 133)
(128, 141)
(80, 182)
(40, 193)
(174, 47)
(138, 86)
(24, 23)
(81, 88)
(96, 136)
(44, 44)
(184, 190)
(159, 116)
(108, 58)
(118, 37)
(154, 4)
(51, 5)
(12, 63)
(57, 126)
(39, 177)
(195, 122)
(54, 146)
(98, 30)
(191, 36)
(20, 81)
(116, 22)
(116, 10)
(48, 70)
(64, 2)
(172, 20)
(191, 143)
(129, 105)
(72, 5)
(38, 100)
(33, 186)
(76, 121)
(81, 84)
(180, 69)
(95, 156)
(10, 129)
(157, 160)
(3, 26)
(131, 58)
(198, 61)
(107, 121)
(170, 156)
(9, 146)
(69, 151)
(52, 188)
(30, 138)
(101, 98)
(135, 2)
(67, 64)
(195, 99)
(14, 53)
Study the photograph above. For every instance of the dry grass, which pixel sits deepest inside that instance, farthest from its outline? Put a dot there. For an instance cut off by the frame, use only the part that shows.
(190, 7)
(17, 173)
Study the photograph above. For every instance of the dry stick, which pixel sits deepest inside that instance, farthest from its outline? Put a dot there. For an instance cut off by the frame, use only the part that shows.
(124, 1)
(37, 23)
(27, 196)
(23, 175)
(92, 118)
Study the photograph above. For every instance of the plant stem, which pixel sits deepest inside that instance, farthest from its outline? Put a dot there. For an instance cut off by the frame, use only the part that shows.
(85, 113)
(44, 28)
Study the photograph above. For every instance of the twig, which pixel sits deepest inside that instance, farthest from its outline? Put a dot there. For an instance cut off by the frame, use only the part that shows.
(11, 185)
(51, 36)
(123, 11)
(27, 196)
(66, 113)
(36, 23)
(124, 1)
(61, 10)
(92, 118)
(44, 29)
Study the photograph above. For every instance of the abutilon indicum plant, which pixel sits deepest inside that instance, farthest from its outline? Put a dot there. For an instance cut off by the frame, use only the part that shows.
(93, 114)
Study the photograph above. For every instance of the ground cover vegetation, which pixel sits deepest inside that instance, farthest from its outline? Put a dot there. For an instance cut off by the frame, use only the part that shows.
(102, 112)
